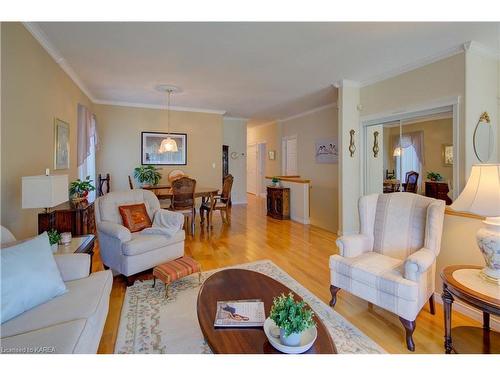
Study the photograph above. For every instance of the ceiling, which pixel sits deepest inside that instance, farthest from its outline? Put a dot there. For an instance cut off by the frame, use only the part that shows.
(262, 71)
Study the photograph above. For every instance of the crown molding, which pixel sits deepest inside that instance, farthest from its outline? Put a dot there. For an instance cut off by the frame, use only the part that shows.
(414, 65)
(346, 83)
(40, 36)
(159, 106)
(308, 112)
(235, 118)
(481, 49)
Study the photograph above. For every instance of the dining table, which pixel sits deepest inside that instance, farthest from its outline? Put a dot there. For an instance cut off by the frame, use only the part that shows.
(205, 193)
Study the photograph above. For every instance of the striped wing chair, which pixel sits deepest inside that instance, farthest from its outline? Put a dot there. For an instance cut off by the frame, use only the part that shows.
(392, 262)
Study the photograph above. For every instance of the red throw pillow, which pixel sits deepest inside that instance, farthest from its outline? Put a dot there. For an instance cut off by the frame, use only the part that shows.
(135, 217)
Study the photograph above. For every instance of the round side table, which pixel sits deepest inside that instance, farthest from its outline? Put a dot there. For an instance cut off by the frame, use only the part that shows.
(465, 283)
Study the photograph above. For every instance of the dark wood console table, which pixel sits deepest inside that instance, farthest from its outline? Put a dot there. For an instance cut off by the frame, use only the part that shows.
(77, 218)
(278, 202)
(466, 284)
(437, 190)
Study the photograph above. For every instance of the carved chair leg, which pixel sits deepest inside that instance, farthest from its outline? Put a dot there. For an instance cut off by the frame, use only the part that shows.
(409, 328)
(333, 290)
(432, 306)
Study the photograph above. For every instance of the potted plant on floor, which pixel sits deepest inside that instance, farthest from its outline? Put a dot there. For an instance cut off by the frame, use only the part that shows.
(147, 175)
(54, 239)
(79, 189)
(292, 318)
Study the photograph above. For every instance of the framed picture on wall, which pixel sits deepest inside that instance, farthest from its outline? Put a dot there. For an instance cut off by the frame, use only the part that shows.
(447, 155)
(272, 155)
(61, 144)
(150, 149)
(327, 151)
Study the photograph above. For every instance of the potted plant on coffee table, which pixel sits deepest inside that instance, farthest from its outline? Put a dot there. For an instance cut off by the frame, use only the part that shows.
(292, 318)
(147, 175)
(79, 189)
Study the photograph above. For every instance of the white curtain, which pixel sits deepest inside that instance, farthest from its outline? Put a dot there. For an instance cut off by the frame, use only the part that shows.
(87, 144)
(411, 155)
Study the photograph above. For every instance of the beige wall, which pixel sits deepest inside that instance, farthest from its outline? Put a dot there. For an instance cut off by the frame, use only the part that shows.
(324, 177)
(271, 135)
(35, 90)
(443, 79)
(235, 136)
(436, 133)
(120, 142)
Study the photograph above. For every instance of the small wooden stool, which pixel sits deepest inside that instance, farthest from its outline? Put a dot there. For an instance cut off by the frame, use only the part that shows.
(175, 270)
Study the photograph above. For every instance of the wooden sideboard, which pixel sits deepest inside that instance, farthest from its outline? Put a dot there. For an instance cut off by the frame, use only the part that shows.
(437, 190)
(77, 218)
(278, 202)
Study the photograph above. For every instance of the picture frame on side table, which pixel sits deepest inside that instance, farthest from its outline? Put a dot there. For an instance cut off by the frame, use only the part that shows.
(61, 144)
(150, 145)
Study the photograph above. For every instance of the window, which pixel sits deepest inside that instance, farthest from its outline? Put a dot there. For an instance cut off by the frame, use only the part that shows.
(407, 161)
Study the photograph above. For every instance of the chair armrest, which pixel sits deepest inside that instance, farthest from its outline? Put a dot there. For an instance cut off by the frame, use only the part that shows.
(353, 245)
(73, 266)
(418, 263)
(168, 219)
(114, 230)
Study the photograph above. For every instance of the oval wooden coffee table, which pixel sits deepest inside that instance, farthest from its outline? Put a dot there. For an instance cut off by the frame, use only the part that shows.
(237, 284)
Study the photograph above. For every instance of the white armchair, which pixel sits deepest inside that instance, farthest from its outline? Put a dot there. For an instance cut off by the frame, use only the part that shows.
(130, 253)
(391, 262)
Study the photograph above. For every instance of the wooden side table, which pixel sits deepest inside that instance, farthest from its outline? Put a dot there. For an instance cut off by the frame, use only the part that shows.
(465, 283)
(79, 244)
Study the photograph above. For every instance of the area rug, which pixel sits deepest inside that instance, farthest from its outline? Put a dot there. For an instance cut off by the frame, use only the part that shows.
(150, 323)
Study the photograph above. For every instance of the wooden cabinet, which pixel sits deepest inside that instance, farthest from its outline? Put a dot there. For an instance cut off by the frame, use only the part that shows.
(437, 190)
(278, 202)
(77, 218)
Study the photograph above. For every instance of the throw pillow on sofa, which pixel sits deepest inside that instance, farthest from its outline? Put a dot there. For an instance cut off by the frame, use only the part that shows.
(29, 276)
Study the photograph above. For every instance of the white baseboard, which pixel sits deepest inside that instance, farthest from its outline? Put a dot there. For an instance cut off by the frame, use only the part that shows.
(470, 311)
(302, 220)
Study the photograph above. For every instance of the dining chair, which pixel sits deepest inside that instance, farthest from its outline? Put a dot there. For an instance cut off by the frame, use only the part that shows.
(219, 203)
(175, 174)
(103, 181)
(183, 199)
(130, 184)
(411, 186)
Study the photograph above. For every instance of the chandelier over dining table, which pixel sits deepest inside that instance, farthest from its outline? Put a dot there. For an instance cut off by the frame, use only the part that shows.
(168, 144)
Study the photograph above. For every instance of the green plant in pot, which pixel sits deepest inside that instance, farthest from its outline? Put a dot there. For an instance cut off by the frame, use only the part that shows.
(79, 189)
(292, 318)
(54, 239)
(147, 175)
(275, 181)
(434, 176)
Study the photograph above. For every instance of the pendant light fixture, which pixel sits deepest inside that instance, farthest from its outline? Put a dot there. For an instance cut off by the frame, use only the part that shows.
(168, 144)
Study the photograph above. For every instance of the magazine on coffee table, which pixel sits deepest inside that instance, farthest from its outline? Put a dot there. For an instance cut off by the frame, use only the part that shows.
(242, 313)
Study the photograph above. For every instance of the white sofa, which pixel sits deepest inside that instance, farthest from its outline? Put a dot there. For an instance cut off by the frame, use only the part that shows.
(70, 323)
(392, 261)
(130, 253)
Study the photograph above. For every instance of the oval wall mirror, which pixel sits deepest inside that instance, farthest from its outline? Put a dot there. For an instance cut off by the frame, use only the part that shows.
(483, 138)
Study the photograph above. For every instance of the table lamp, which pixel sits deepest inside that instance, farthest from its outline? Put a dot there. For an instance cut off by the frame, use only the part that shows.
(481, 196)
(44, 192)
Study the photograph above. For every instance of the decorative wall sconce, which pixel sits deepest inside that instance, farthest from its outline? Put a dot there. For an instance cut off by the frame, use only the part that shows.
(375, 144)
(352, 147)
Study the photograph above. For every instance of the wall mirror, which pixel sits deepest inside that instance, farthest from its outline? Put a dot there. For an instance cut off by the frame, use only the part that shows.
(483, 138)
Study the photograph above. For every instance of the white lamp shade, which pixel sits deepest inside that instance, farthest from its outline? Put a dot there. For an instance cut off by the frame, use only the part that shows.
(44, 191)
(481, 195)
(168, 145)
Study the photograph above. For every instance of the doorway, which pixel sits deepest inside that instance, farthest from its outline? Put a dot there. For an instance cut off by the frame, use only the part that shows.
(256, 167)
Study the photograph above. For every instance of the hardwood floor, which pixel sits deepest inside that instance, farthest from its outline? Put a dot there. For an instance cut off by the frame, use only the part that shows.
(303, 252)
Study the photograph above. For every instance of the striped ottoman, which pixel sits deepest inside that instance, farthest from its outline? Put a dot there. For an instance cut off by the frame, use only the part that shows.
(175, 270)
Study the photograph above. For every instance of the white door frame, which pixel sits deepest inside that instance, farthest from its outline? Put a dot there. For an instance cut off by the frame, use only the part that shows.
(284, 152)
(429, 108)
(260, 167)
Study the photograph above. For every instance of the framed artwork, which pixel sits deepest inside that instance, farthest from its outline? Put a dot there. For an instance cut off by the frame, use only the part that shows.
(150, 145)
(61, 144)
(272, 155)
(447, 155)
(327, 151)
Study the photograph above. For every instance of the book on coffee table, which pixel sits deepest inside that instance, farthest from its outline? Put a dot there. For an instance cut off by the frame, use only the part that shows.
(241, 313)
